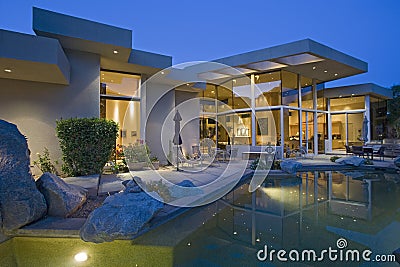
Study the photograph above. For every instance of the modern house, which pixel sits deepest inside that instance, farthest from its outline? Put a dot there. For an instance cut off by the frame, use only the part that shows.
(78, 68)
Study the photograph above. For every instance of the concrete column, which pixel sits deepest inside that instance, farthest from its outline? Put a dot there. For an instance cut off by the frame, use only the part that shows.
(328, 103)
(300, 113)
(253, 115)
(368, 115)
(314, 93)
(282, 127)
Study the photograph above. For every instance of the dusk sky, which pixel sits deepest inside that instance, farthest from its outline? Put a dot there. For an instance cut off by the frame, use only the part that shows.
(205, 30)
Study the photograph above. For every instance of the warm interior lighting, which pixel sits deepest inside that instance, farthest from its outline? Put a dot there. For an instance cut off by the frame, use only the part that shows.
(81, 257)
(7, 70)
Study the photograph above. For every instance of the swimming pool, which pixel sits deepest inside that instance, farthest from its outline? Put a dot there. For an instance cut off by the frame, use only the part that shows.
(309, 211)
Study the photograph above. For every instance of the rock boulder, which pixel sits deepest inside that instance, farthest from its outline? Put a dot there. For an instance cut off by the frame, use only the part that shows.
(121, 216)
(353, 161)
(20, 201)
(290, 166)
(62, 199)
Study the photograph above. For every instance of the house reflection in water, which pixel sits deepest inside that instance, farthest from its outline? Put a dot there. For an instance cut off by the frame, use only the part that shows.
(291, 212)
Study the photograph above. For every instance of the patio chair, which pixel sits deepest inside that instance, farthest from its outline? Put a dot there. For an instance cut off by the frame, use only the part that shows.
(303, 153)
(348, 150)
(358, 151)
(182, 160)
(380, 153)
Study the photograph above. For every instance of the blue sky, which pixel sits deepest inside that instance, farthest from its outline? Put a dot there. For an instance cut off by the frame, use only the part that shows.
(206, 30)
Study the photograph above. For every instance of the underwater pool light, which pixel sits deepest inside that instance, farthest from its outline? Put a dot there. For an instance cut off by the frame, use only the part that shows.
(81, 256)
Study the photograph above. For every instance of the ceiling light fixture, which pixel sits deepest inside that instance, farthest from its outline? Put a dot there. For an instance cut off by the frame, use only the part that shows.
(162, 72)
(325, 71)
(314, 68)
(7, 70)
(115, 51)
(336, 74)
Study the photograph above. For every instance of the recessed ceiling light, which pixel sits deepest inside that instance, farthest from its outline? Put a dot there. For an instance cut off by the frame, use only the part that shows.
(340, 96)
(7, 70)
(187, 84)
(352, 94)
(314, 68)
(162, 72)
(115, 51)
(212, 92)
(325, 71)
(336, 74)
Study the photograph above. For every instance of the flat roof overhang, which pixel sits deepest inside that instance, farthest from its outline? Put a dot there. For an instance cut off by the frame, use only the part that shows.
(306, 57)
(358, 90)
(139, 62)
(32, 58)
(83, 35)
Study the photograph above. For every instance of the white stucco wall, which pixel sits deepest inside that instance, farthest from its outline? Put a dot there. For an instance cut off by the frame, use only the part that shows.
(189, 108)
(34, 107)
(157, 104)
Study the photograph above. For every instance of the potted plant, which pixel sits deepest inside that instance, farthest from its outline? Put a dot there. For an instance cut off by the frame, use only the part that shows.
(136, 156)
(155, 163)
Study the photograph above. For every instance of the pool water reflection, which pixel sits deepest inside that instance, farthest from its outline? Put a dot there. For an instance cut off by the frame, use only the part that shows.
(310, 211)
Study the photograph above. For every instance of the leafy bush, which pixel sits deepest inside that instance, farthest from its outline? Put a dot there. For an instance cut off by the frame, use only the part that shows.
(44, 162)
(334, 158)
(261, 165)
(86, 144)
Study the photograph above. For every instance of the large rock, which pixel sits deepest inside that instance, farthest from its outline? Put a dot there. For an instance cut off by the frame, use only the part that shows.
(20, 201)
(352, 161)
(184, 189)
(290, 166)
(121, 216)
(62, 199)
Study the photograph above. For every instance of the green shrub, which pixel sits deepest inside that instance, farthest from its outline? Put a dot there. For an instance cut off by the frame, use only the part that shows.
(44, 162)
(261, 165)
(86, 144)
(334, 158)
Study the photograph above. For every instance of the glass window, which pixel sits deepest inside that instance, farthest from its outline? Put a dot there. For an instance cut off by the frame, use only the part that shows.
(207, 102)
(291, 128)
(338, 131)
(242, 128)
(267, 91)
(127, 115)
(268, 125)
(347, 103)
(378, 117)
(290, 92)
(225, 97)
(116, 92)
(120, 84)
(241, 92)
